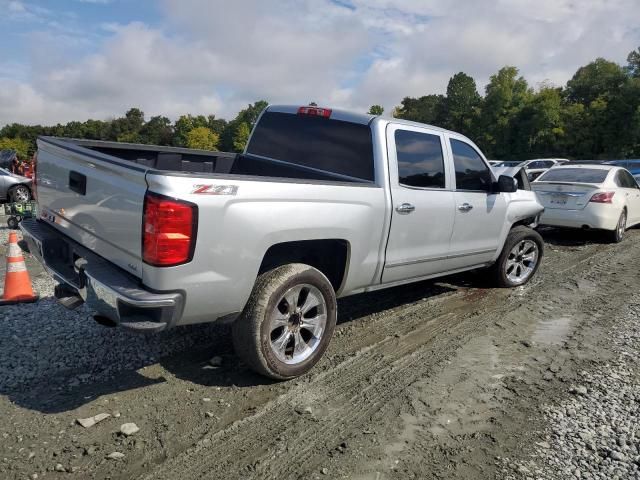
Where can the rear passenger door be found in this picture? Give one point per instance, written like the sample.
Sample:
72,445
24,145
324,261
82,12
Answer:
479,213
632,192
423,204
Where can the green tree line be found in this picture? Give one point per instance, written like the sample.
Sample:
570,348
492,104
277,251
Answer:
191,131
595,115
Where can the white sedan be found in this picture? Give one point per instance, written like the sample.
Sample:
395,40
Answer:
589,196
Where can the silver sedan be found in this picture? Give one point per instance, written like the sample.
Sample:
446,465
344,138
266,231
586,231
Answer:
14,188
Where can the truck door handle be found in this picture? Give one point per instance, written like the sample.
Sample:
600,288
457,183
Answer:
405,208
465,207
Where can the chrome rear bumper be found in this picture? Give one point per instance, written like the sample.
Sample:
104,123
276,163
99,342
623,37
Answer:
106,289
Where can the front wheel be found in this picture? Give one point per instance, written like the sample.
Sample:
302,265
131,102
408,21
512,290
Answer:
287,323
520,257
20,194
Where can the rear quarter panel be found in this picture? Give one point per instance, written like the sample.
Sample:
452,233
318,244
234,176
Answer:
235,231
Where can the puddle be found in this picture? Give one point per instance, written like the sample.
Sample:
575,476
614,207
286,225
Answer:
552,332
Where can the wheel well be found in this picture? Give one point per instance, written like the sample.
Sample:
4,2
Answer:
524,222
328,256
19,185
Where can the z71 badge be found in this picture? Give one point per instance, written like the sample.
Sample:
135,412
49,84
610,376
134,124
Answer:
215,189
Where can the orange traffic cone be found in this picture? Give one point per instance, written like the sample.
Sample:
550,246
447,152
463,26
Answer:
17,284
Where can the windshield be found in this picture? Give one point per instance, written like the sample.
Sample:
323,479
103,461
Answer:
574,175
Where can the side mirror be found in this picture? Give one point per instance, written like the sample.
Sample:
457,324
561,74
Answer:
507,184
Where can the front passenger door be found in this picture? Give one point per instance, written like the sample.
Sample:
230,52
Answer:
479,214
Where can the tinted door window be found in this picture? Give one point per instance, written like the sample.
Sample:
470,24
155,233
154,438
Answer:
471,171
618,180
420,159
627,180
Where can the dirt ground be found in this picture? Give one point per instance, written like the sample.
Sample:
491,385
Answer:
440,379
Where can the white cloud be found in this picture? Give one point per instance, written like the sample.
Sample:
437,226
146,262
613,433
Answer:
217,56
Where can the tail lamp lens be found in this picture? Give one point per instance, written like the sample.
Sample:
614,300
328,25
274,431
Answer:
169,231
603,197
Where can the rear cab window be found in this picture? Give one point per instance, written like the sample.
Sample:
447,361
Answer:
335,146
577,175
472,173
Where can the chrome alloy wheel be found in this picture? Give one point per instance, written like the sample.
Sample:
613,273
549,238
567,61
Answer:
21,194
522,261
297,324
622,225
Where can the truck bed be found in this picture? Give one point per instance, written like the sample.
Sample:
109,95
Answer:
200,162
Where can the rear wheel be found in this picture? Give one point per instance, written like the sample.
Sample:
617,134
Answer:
287,323
520,257
616,235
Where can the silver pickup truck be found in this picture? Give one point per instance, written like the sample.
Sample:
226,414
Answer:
322,204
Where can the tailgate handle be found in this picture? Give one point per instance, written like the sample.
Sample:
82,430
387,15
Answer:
78,182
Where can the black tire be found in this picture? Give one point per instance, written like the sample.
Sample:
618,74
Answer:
252,331
20,190
516,236
616,235
12,223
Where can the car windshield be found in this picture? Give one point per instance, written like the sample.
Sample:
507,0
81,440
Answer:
577,175
507,164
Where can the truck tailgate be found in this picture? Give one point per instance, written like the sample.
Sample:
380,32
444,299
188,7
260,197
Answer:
95,199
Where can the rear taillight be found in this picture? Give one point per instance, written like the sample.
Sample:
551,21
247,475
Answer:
169,230
602,197
315,112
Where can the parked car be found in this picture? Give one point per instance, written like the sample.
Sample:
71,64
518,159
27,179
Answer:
508,164
535,167
14,188
322,204
590,197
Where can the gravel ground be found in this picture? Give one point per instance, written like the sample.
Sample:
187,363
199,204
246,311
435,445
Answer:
595,434
44,337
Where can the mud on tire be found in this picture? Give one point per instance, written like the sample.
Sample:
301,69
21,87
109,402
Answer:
503,270
254,331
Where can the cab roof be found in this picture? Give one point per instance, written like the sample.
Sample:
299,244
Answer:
357,117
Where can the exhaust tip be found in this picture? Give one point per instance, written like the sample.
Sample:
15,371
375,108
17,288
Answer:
105,321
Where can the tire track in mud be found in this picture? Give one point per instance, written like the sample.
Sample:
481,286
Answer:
506,388
344,398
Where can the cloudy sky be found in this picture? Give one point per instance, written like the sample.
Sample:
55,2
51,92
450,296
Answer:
64,60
